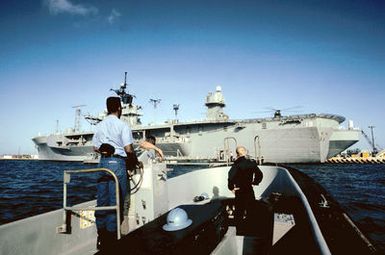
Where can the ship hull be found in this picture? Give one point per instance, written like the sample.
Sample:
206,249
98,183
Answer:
298,145
309,139
70,153
342,139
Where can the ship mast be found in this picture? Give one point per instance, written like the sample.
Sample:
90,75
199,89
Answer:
176,109
155,102
215,103
125,80
121,92
130,111
57,126
78,113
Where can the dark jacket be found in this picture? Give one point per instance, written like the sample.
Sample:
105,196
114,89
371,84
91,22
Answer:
243,174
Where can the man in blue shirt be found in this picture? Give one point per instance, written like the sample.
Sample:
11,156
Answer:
113,140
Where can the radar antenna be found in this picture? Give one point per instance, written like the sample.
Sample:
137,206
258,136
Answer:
176,109
78,113
121,92
155,102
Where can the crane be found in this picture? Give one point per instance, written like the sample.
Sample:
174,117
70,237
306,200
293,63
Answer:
77,116
375,147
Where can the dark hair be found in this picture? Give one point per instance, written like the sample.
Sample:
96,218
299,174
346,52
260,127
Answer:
151,139
113,104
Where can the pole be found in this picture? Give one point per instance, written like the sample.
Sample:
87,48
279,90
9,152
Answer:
373,144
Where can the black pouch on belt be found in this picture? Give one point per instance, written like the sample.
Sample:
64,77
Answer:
107,150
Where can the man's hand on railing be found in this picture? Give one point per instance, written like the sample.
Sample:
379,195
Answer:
130,173
139,164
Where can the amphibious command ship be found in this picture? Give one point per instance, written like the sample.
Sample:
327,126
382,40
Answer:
307,138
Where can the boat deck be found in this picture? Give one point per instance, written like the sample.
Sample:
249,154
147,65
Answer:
214,231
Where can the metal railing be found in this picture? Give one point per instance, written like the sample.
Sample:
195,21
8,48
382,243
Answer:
227,147
67,179
257,152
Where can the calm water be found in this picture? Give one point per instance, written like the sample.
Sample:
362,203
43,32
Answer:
32,187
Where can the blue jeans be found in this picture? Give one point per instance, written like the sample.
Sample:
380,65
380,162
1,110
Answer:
106,219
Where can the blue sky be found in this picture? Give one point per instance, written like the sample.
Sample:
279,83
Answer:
325,56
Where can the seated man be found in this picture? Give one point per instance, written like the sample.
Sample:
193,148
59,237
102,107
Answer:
155,150
131,164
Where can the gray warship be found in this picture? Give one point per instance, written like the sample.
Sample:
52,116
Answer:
305,138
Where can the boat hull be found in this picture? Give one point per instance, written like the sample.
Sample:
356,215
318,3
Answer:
36,235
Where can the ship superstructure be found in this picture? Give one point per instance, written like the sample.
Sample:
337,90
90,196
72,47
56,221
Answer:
306,138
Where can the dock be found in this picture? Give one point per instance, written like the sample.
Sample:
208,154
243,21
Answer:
356,160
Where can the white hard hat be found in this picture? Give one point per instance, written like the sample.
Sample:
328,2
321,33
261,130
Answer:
177,219
205,195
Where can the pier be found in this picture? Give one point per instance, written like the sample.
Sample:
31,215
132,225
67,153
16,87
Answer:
356,160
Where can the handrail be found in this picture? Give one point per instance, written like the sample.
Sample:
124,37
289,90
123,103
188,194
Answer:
227,147
257,156
67,179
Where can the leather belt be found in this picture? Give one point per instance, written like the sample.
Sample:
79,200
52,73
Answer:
114,156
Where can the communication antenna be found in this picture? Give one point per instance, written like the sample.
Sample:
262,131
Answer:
78,113
155,102
176,109
126,97
57,126
125,80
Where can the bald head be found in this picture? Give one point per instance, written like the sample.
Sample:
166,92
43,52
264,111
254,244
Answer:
241,151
